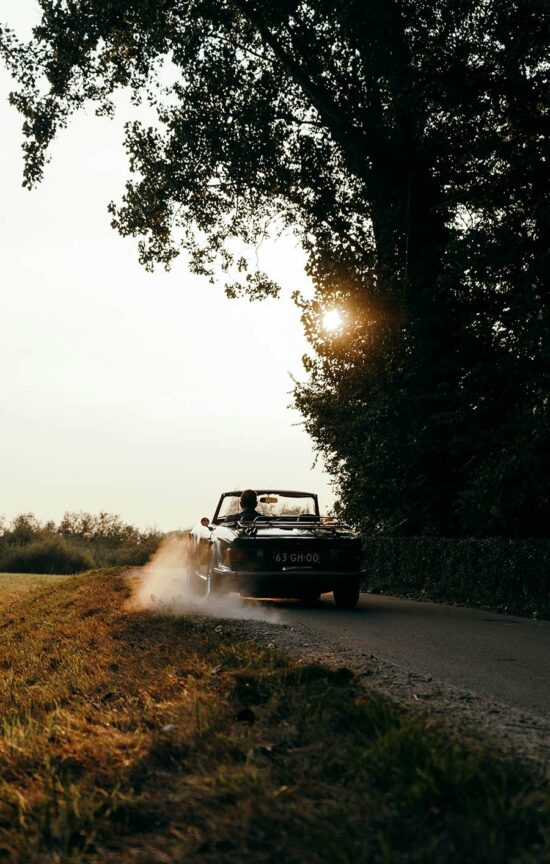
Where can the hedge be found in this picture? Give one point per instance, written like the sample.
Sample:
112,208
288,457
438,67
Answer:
506,575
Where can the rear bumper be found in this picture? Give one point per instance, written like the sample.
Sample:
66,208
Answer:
285,583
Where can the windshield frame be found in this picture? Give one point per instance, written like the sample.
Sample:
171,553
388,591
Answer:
217,520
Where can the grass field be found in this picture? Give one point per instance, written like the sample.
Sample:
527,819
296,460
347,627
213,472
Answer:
12,585
129,737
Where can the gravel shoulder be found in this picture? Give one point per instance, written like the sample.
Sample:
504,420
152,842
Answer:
513,733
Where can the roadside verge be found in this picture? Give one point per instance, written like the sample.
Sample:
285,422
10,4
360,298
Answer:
130,736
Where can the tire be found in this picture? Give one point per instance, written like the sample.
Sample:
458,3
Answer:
347,596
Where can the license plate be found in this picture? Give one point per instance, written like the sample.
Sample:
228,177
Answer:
296,559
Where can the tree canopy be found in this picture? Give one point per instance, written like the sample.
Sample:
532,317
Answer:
404,142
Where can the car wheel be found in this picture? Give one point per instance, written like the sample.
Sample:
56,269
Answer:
347,596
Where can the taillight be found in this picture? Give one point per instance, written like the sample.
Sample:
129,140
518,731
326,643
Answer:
235,557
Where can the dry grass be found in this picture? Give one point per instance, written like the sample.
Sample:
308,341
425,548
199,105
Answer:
128,737
13,585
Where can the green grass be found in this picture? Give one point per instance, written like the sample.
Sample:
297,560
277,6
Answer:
129,737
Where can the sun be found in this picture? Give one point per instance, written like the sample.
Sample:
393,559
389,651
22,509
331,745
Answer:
332,320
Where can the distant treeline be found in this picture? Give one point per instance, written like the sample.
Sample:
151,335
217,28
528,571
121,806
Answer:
79,542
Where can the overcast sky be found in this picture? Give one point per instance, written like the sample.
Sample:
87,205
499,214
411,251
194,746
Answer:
115,391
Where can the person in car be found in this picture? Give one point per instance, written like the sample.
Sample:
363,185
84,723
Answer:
248,502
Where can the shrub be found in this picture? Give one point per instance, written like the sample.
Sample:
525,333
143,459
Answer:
81,540
46,555
136,555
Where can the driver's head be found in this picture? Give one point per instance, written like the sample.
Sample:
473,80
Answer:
249,499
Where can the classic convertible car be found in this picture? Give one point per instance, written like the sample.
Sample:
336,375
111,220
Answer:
288,550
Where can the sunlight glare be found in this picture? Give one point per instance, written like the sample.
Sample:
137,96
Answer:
332,320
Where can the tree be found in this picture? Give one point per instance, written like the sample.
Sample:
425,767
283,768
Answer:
403,142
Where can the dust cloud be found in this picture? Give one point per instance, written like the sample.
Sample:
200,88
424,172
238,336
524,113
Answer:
162,586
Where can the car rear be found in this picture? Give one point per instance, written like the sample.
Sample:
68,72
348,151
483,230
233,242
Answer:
290,563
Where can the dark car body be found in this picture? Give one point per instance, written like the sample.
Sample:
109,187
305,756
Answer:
285,555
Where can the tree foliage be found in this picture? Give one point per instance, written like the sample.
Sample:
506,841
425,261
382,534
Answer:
404,142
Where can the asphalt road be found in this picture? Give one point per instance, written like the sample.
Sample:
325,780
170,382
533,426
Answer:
499,657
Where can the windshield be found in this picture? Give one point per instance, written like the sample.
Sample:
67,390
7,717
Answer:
271,504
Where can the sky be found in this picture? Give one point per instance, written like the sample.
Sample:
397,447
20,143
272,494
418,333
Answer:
118,387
